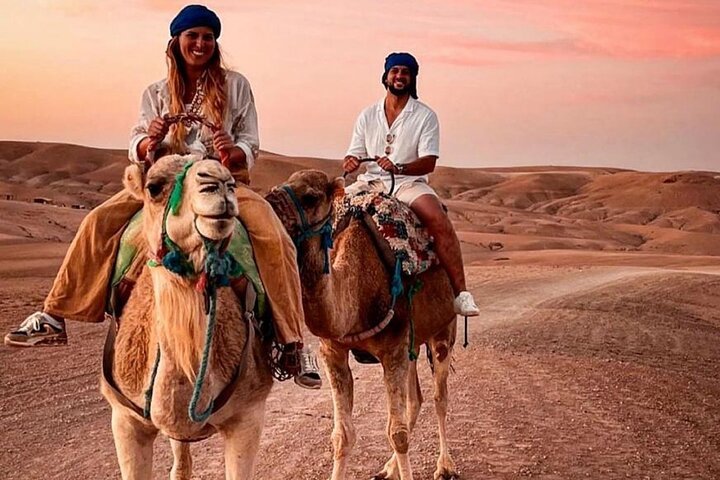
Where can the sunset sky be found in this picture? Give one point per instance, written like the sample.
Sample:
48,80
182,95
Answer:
627,83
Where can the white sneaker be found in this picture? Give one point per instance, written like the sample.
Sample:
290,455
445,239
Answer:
465,305
309,375
38,329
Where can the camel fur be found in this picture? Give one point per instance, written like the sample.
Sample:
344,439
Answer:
165,311
355,297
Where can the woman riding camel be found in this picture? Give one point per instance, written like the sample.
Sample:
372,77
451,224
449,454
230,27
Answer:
197,86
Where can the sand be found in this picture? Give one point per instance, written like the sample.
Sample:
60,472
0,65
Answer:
595,356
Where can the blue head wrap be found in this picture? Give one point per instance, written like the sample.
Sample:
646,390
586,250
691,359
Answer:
195,16
406,60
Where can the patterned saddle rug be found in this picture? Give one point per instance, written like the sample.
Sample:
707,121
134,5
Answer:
132,256
398,232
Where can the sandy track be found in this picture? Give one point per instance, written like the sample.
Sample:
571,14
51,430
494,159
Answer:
598,372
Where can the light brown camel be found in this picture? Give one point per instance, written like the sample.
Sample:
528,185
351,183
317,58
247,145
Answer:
355,297
165,315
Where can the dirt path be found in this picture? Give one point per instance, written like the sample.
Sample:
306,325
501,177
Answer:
601,372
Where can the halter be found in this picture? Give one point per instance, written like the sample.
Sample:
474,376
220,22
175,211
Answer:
219,267
322,228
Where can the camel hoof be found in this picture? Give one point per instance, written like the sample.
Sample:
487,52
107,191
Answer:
446,475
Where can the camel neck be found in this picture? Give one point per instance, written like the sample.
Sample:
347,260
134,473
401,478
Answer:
332,302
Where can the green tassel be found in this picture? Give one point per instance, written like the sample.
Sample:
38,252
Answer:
177,191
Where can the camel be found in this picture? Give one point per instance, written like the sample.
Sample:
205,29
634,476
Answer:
354,297
165,316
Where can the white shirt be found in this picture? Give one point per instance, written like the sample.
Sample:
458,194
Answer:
240,119
416,134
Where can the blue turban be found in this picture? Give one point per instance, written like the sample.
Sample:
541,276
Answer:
195,16
404,59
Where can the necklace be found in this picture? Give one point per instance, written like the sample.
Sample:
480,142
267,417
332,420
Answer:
195,108
198,98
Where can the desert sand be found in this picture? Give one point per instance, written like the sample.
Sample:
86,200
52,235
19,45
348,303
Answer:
596,354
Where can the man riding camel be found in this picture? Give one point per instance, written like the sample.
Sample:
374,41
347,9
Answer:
403,136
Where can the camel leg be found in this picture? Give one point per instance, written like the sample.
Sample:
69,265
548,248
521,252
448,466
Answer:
133,444
441,347
395,371
242,441
390,470
341,382
182,461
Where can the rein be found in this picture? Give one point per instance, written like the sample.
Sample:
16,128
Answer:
392,174
187,119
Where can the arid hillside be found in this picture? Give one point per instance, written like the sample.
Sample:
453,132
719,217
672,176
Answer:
520,208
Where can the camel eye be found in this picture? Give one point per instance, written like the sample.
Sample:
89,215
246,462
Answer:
310,199
155,188
211,188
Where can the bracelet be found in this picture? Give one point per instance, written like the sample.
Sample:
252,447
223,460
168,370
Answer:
401,169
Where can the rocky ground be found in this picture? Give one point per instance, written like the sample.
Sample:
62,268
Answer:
573,371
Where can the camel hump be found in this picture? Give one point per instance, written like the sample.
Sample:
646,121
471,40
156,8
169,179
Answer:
397,231
132,254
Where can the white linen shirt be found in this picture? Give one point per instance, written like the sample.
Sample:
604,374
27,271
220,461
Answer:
240,119
416,134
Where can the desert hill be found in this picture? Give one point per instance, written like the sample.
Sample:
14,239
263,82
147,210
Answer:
515,208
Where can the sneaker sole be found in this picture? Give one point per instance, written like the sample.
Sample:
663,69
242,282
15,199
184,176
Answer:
48,341
306,386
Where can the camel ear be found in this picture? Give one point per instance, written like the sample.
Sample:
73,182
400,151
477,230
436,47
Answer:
336,188
133,180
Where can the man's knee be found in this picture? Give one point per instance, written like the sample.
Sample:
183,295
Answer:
429,209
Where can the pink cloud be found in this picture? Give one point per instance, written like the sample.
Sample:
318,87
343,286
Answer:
626,29
592,28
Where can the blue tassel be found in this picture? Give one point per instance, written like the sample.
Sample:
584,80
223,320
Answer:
176,262
396,287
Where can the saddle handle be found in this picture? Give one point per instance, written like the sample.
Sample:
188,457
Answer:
392,174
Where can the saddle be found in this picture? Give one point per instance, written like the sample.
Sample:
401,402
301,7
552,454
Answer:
132,256
397,231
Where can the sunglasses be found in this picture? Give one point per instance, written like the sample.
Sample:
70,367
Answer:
389,138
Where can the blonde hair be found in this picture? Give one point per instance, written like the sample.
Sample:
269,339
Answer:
212,82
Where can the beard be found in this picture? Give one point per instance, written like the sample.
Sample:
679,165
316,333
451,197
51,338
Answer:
399,92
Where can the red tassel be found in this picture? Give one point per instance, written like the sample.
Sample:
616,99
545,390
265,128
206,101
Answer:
201,283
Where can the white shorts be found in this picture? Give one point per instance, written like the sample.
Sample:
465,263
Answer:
406,192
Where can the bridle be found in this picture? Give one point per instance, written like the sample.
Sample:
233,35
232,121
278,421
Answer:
322,228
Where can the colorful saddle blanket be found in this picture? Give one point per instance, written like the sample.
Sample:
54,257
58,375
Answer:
132,256
388,219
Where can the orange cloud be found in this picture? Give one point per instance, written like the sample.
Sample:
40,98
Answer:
621,29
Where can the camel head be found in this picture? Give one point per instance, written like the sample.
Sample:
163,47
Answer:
187,202
307,195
